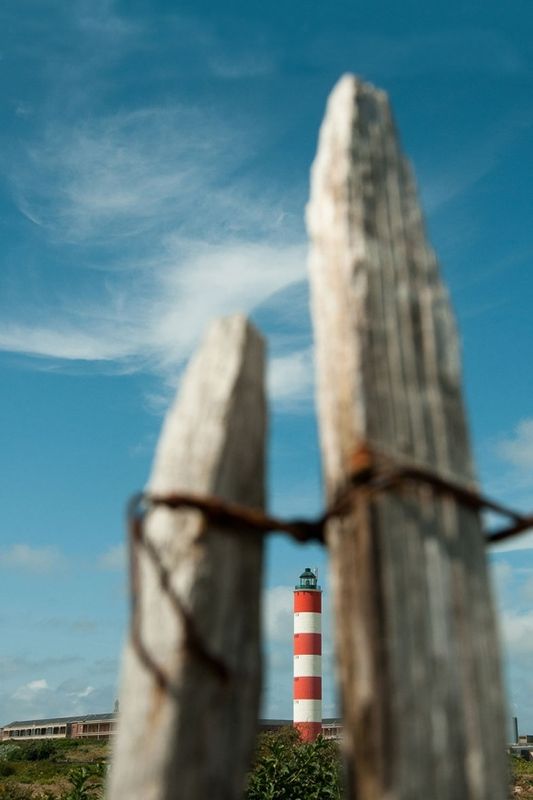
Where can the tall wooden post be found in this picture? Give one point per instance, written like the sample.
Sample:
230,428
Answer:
191,735
419,658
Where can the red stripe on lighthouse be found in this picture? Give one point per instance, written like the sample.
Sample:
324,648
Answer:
307,644
308,730
308,688
307,601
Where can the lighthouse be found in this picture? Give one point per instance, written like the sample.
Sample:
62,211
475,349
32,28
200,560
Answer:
307,694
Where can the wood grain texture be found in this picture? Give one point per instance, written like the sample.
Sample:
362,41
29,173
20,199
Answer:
418,652
194,741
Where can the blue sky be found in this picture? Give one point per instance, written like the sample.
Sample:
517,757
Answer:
155,160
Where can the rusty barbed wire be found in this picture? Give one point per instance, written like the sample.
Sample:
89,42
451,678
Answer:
382,472
377,472
372,471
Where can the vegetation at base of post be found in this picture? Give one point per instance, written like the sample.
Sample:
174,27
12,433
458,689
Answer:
521,778
285,767
64,769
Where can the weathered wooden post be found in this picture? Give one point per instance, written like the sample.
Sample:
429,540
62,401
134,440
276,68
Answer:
188,722
419,658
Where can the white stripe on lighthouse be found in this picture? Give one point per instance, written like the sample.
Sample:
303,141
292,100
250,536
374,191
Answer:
307,666
307,622
307,710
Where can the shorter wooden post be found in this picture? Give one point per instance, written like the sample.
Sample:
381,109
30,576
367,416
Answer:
191,737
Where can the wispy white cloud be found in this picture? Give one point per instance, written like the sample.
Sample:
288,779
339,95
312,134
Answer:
114,558
155,328
170,238
81,625
277,614
39,699
101,20
214,281
148,200
512,583
121,175
517,631
105,666
33,688
23,110
502,577
527,589
248,57
246,65
291,378
447,181
511,475
64,342
517,449
26,558
28,691
154,210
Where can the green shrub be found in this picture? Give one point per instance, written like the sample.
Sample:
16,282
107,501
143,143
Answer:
68,744
10,752
86,783
6,769
288,769
38,751
521,766
28,751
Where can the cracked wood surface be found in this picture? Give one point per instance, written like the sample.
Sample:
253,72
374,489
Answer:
419,656
195,740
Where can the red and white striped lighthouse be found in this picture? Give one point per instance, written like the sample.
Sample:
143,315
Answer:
307,711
